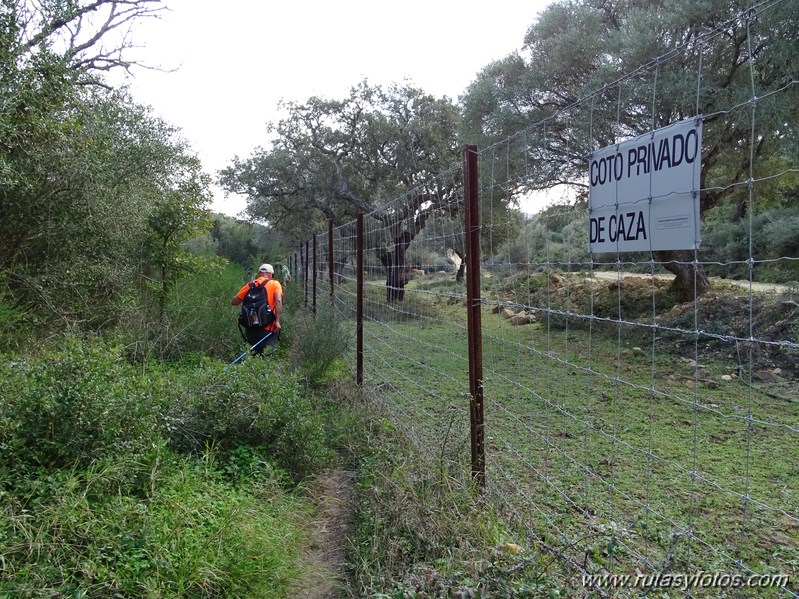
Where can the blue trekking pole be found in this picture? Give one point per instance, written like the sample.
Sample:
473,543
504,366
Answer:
248,351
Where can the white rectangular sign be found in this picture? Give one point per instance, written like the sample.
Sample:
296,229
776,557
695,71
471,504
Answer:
644,192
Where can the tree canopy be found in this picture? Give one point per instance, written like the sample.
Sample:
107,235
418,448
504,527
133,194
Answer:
631,66
594,72
96,193
333,159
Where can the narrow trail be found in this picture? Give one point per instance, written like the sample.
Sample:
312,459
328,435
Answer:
324,561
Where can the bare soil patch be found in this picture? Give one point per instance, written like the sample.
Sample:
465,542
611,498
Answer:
757,328
715,281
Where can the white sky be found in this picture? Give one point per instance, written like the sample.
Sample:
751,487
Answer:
237,59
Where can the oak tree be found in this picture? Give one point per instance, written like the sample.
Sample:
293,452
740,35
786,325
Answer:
334,159
595,72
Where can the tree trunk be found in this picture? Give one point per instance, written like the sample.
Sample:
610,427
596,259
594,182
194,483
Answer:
461,271
395,282
461,267
740,210
394,263
395,274
680,263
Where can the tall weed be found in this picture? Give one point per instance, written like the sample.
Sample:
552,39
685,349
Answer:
199,310
198,319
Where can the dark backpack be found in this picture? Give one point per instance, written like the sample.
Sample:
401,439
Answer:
255,310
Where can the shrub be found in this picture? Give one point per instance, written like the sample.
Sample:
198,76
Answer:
254,403
317,344
75,405
774,236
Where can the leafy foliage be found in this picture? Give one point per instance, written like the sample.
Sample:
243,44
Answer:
334,158
96,194
153,480
74,406
577,48
198,317
774,235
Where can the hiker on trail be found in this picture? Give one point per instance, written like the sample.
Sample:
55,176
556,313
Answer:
262,303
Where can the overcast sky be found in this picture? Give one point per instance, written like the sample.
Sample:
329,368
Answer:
237,59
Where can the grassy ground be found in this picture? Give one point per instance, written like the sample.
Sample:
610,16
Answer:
608,449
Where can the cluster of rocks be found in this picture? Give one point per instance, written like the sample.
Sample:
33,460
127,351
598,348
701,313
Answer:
516,318
702,376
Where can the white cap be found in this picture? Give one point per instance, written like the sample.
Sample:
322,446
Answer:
266,268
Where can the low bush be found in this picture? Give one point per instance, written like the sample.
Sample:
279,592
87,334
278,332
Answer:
255,403
75,405
317,344
153,479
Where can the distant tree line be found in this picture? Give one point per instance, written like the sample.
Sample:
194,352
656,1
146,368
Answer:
245,243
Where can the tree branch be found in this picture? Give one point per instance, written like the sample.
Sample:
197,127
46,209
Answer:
120,13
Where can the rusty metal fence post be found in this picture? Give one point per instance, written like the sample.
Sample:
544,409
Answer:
474,307
330,260
305,277
314,269
359,299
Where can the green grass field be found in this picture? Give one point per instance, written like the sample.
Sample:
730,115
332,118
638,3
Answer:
613,450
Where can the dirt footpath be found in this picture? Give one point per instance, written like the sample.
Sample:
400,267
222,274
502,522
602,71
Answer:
324,561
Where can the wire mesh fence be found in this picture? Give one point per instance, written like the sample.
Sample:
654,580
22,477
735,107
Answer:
641,408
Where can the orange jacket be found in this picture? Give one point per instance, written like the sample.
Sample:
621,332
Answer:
273,287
